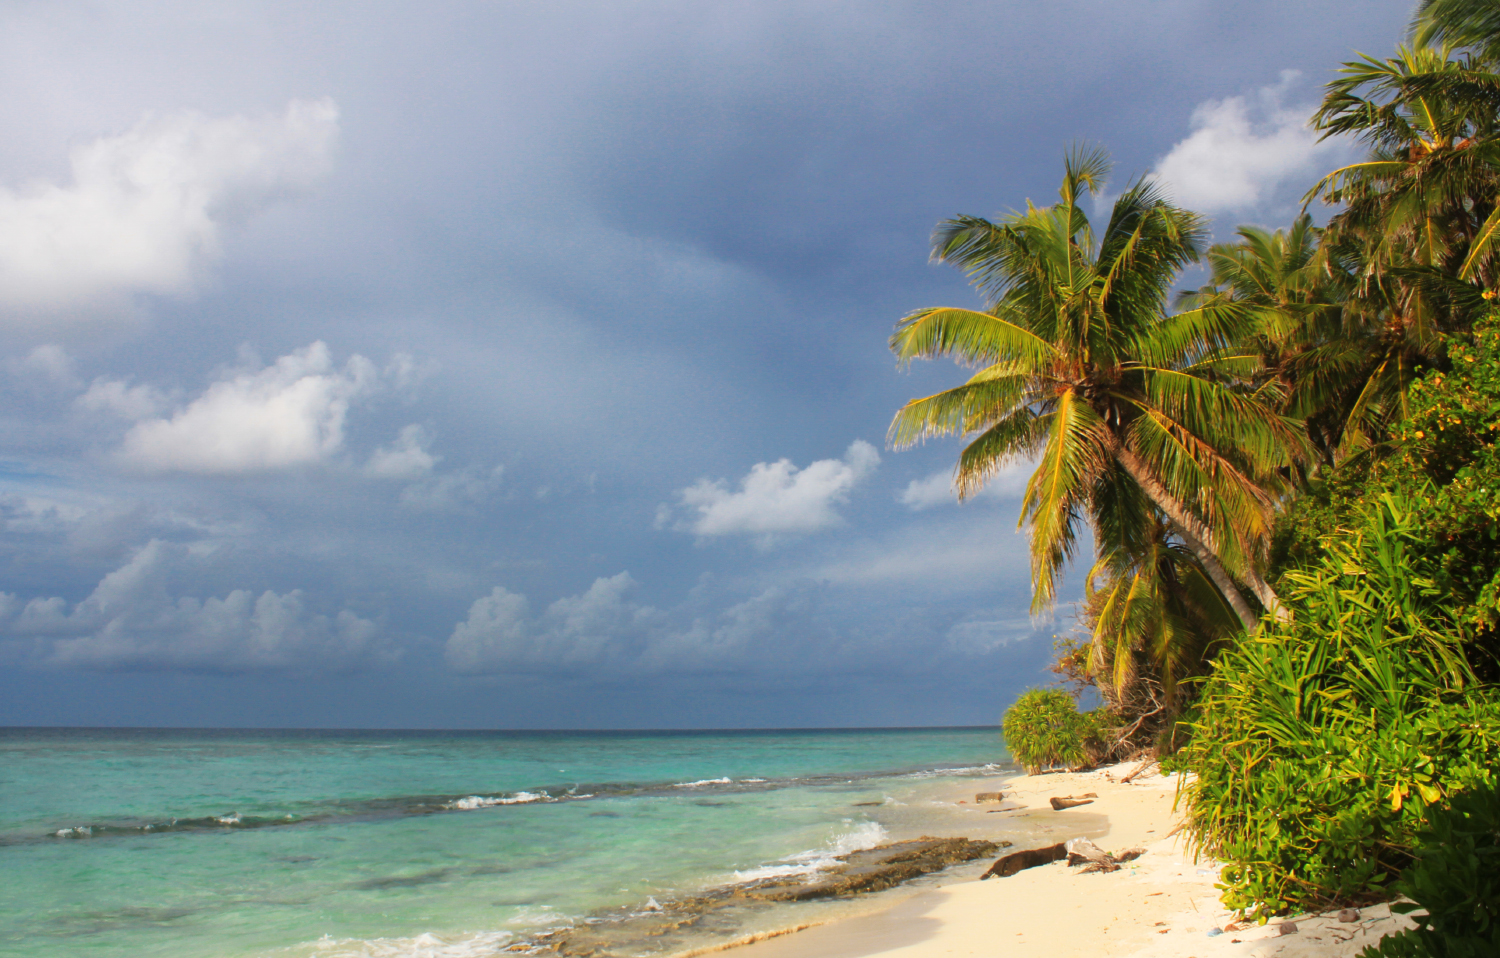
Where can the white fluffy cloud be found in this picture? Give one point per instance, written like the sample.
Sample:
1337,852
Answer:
775,498
937,489
287,414
1243,149
131,622
145,208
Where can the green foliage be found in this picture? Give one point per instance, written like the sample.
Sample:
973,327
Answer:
1319,743
1446,466
1449,442
1044,729
1456,880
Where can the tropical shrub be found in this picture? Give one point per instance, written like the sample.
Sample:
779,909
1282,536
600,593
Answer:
1445,463
1319,743
1454,882
1044,729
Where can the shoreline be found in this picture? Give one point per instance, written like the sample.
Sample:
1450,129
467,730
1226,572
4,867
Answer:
1162,905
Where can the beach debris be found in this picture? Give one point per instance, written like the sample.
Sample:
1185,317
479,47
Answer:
1058,804
1008,865
1286,928
1349,916
1139,769
1215,932
1081,851
986,797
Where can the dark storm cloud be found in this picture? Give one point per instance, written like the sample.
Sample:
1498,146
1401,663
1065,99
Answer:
589,257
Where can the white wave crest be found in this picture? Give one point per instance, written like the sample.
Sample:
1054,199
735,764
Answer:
809,863
489,801
425,945
704,781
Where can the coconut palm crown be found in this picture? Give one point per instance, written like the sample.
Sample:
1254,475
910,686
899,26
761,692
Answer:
1083,370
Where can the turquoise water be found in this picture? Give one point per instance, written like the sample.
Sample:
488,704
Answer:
302,843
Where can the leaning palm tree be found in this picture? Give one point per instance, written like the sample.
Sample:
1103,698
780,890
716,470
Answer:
1084,370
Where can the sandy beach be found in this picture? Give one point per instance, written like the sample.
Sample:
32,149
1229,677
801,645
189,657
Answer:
1162,905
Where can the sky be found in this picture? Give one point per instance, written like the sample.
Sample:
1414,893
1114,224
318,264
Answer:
520,365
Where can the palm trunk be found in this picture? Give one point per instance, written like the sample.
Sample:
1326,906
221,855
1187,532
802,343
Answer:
1199,539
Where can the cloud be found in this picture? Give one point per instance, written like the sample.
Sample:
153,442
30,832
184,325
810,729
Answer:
117,397
983,632
145,208
775,498
48,362
501,634
131,623
937,489
288,414
603,627
407,459
454,491
941,554
1243,149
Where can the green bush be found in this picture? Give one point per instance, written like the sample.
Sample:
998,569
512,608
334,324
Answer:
1455,880
1044,730
1318,744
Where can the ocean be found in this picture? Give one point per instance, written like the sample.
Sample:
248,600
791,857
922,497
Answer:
337,844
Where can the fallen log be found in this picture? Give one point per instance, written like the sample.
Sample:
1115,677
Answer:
1058,804
1008,865
984,797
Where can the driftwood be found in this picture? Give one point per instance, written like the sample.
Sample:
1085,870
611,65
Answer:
1148,763
984,797
1081,851
1017,861
1058,804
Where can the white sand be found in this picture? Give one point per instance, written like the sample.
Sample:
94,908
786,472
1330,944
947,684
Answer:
1162,905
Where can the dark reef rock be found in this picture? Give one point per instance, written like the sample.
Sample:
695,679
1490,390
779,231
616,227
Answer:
875,869
673,925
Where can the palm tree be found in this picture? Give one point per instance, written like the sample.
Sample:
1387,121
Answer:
1416,242
1153,618
1462,23
1425,196
1083,369
1323,358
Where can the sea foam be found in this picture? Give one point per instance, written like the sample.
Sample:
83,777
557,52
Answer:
471,802
809,863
